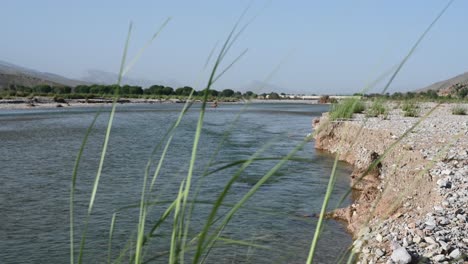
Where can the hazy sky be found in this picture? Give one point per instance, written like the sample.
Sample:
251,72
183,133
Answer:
321,46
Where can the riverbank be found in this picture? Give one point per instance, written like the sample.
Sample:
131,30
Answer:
413,205
49,102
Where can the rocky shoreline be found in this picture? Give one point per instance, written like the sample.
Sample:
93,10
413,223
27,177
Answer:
49,102
412,207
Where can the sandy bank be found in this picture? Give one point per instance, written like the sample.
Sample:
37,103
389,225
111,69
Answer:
415,200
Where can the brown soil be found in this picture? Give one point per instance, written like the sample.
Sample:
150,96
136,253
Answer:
399,177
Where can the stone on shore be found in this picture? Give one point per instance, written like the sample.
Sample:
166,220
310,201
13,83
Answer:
401,256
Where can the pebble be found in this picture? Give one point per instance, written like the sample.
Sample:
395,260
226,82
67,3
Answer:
401,256
379,253
430,240
455,254
379,237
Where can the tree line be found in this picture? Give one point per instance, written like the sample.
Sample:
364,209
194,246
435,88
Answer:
123,90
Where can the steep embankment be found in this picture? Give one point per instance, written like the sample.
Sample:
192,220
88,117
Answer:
415,200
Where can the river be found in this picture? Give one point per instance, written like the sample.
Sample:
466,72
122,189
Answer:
38,148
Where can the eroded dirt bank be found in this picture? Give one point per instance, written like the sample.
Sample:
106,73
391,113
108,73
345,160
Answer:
412,206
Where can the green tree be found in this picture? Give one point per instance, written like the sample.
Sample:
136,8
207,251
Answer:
274,96
462,92
42,88
248,94
168,90
227,93
125,89
155,89
95,89
184,91
135,90
432,94
62,89
210,93
82,89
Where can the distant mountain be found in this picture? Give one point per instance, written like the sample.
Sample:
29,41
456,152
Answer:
103,77
14,74
447,86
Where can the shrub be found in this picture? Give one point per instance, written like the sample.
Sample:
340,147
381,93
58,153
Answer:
377,109
325,99
411,113
459,110
58,99
410,109
346,108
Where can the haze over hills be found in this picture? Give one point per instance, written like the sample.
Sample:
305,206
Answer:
103,77
445,87
14,74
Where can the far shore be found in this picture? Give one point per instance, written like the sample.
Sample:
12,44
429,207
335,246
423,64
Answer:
47,102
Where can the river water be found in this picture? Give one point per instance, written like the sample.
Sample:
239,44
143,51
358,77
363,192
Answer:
38,148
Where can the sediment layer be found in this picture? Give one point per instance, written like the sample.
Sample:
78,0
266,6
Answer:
412,205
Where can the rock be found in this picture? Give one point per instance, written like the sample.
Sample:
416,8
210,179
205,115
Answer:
430,240
430,227
443,245
455,254
442,183
379,253
401,256
446,172
405,242
430,222
379,237
439,258
429,254
444,221
416,239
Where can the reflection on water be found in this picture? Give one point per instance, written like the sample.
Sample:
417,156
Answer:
39,147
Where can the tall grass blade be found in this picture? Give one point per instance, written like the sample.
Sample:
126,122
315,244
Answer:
73,186
142,50
111,233
225,48
251,192
109,127
218,203
176,225
318,229
104,148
